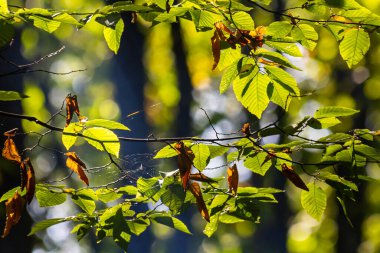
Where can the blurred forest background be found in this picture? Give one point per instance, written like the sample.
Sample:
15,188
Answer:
164,74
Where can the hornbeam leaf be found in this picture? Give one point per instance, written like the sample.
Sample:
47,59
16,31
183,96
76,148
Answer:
113,35
354,46
10,151
201,156
306,35
45,224
196,191
13,208
333,111
314,201
233,179
109,124
251,91
4,94
98,135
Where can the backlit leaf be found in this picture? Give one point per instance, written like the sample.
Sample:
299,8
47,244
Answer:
258,163
314,201
113,35
275,57
306,35
10,151
229,74
45,23
251,91
75,164
107,137
166,152
283,78
196,191
354,46
45,224
201,156
333,111
13,208
47,197
243,21
68,136
212,226
170,222
9,95
121,233
4,6
285,47
279,29
85,199
109,124
233,179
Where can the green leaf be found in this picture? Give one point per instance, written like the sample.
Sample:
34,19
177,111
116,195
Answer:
109,139
69,140
170,222
9,194
283,78
354,46
333,111
138,226
275,57
204,20
228,55
314,201
285,47
45,23
166,152
45,197
251,91
243,21
201,156
81,230
109,124
229,74
333,177
107,195
113,35
10,95
46,223
174,195
148,187
323,122
211,226
258,164
121,233
306,35
279,95
66,19
338,137
6,36
85,199
279,29
368,151
229,219
217,150
4,6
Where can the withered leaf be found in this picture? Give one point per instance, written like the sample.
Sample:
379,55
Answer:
233,179
24,176
215,44
30,182
13,208
246,129
201,178
71,108
75,164
185,161
196,191
10,151
220,27
167,6
11,133
290,174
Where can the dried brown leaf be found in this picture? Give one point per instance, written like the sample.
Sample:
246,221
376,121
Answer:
13,208
75,164
71,108
30,182
185,161
290,174
24,175
215,44
201,178
233,179
196,191
11,133
246,129
10,151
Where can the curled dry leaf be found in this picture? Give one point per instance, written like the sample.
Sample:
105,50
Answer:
10,151
233,179
246,129
11,133
30,180
24,175
196,191
13,208
75,164
185,161
215,44
201,178
290,174
71,108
